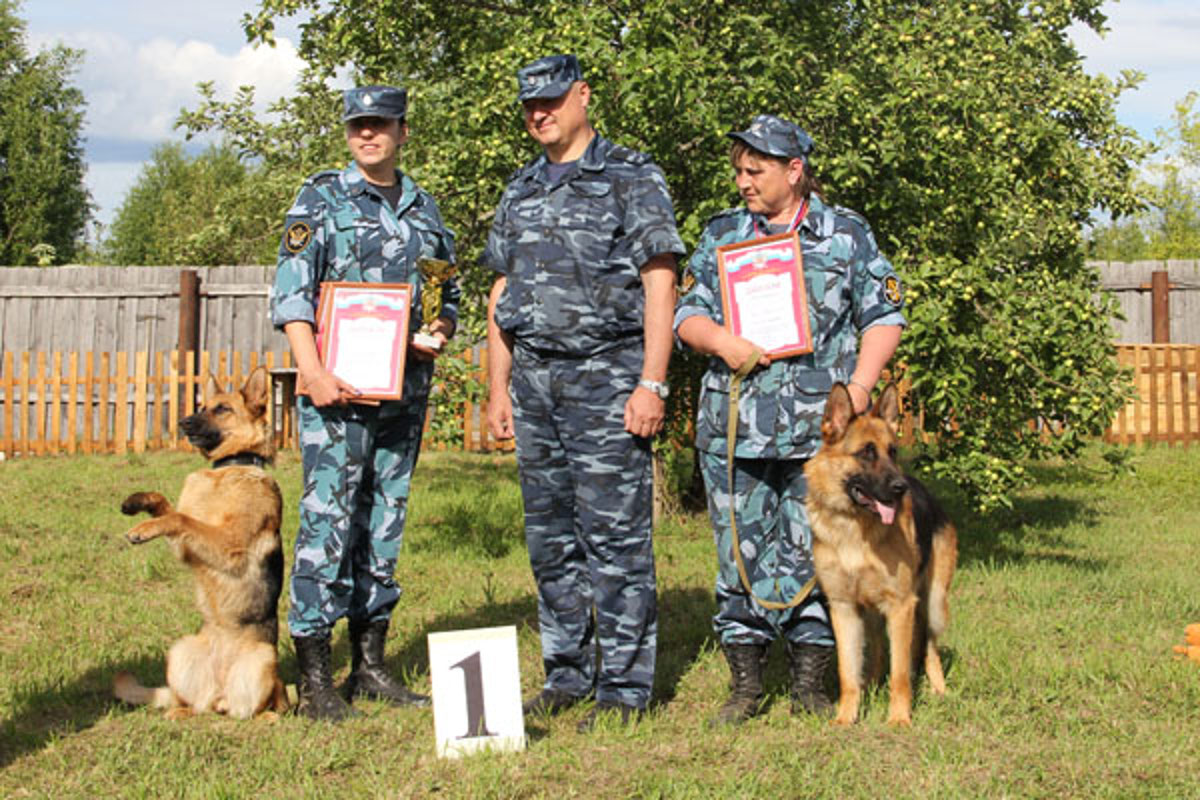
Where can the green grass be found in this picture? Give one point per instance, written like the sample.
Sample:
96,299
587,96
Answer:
1062,681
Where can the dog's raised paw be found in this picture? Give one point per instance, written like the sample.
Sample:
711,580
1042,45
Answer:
141,533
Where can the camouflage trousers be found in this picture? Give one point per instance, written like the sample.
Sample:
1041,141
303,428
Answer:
776,547
358,461
588,490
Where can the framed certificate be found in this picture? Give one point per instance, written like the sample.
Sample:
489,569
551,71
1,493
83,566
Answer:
763,295
362,335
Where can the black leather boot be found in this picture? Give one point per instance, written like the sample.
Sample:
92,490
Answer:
368,678
318,699
808,664
746,662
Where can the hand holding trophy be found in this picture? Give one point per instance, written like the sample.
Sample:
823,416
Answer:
434,272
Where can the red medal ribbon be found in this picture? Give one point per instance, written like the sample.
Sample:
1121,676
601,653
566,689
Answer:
800,212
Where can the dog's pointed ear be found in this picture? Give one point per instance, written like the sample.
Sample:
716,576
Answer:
887,407
211,389
256,392
839,411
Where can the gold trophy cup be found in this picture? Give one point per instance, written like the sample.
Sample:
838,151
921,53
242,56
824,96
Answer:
434,272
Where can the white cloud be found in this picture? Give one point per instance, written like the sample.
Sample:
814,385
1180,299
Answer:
1156,37
135,91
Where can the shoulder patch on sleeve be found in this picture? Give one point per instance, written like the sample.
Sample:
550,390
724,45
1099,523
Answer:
892,290
689,280
297,236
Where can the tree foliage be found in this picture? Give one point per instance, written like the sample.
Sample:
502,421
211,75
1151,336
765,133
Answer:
1169,224
44,205
967,133
192,210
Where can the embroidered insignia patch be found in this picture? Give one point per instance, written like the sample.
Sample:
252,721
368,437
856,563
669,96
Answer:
689,280
892,291
297,237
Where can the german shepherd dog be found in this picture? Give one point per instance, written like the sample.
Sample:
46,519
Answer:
881,545
226,528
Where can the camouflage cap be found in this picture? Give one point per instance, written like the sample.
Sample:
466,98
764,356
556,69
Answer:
775,137
550,76
374,101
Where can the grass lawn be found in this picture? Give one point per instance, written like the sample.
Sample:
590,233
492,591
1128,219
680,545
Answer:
1061,678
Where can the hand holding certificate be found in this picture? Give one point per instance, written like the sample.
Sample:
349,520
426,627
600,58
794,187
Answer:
763,294
362,335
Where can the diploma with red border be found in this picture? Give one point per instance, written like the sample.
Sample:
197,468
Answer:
763,295
362,335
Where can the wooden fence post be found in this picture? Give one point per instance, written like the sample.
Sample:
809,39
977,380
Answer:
1160,307
189,312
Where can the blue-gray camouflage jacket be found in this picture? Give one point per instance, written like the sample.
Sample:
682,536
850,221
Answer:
572,249
340,228
851,287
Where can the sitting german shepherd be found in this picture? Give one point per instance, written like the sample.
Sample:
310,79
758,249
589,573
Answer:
882,544
226,528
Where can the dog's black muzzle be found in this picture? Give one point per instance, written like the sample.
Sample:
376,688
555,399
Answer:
879,493
201,432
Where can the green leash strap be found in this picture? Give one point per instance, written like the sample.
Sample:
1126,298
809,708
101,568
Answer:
735,390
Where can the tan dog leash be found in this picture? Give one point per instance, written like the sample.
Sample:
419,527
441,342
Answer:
735,390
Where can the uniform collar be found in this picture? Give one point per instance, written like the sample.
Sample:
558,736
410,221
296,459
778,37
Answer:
592,160
356,184
816,221
597,151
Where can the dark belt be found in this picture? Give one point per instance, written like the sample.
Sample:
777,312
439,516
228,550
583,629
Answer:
551,354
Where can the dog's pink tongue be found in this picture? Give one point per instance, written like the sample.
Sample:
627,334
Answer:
886,513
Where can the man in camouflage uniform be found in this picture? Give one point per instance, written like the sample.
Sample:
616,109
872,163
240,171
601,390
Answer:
584,247
853,292
366,223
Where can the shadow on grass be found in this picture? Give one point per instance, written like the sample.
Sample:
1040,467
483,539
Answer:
683,631
44,714
1033,530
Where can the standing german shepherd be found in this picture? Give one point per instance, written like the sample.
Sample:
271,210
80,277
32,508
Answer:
226,528
882,544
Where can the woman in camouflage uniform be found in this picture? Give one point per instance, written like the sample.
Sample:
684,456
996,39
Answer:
853,293
366,223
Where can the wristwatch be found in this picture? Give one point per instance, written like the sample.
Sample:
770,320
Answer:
658,387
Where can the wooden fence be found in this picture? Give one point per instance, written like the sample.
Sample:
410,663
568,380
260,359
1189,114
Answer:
1132,286
131,309
111,403
1166,407
134,309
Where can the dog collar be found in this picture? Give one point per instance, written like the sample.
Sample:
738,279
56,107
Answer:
242,459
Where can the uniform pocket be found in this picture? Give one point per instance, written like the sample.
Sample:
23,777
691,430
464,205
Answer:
808,406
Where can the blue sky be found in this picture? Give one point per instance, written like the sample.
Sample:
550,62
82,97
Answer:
142,62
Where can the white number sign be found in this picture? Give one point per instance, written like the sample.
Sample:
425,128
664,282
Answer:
476,690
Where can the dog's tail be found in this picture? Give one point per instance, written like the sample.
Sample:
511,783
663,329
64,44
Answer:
152,502
945,556
128,690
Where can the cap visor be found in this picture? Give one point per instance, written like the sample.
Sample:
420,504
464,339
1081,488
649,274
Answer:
361,114
757,144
